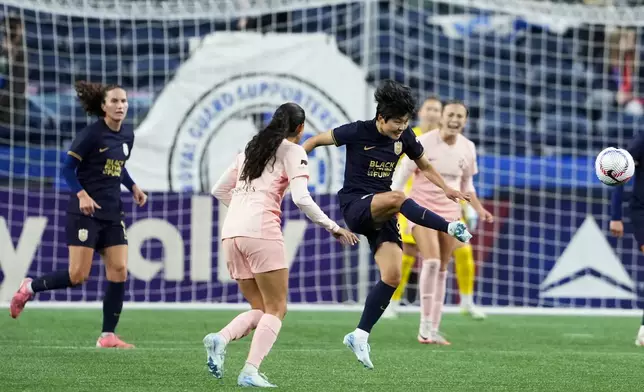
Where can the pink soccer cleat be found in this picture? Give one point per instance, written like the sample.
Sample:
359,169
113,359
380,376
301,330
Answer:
112,341
20,298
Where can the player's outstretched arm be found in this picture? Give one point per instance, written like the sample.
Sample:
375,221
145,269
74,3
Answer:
223,188
322,139
432,175
304,201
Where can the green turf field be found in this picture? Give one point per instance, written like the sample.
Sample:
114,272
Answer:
52,350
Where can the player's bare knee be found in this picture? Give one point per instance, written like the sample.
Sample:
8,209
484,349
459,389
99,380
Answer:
78,276
396,199
391,278
276,308
116,272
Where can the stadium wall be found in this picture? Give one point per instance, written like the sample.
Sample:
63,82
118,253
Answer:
175,258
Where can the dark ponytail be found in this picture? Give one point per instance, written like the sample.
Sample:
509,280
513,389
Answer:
92,95
261,150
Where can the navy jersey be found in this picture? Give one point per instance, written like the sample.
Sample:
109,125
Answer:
371,157
103,153
636,149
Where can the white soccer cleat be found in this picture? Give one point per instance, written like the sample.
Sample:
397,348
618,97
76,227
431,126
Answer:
360,348
254,379
392,311
215,346
459,231
439,339
474,312
639,341
425,332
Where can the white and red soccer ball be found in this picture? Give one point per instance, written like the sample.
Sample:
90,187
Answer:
614,166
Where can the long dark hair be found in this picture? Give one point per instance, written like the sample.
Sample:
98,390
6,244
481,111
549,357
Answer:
261,150
92,96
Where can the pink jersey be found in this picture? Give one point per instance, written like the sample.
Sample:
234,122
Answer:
255,209
456,163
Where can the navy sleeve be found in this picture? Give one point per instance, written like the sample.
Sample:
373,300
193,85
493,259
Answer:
345,134
636,148
69,173
616,203
411,145
83,144
126,179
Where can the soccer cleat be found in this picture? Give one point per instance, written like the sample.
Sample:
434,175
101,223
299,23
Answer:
20,298
425,332
111,340
253,379
391,312
459,231
474,312
360,349
640,341
215,346
439,339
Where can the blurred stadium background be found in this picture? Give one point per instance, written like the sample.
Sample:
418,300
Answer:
548,84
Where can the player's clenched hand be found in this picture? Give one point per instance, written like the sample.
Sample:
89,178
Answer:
616,228
345,236
486,215
86,204
140,198
455,195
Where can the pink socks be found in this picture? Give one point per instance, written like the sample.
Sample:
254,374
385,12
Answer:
432,292
265,336
241,325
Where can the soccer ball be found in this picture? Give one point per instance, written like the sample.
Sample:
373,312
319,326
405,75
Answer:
614,166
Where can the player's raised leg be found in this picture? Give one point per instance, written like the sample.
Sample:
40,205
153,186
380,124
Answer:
429,247
385,205
115,259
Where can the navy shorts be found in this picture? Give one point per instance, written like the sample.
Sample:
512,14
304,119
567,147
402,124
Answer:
637,220
94,233
357,216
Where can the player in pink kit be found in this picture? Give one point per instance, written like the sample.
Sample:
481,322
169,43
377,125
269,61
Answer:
252,188
454,157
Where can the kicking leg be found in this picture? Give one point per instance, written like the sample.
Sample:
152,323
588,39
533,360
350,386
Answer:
385,205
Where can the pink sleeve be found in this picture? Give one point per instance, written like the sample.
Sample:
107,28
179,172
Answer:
404,170
296,162
467,182
226,183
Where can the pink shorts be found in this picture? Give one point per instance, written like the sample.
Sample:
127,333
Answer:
249,256
449,213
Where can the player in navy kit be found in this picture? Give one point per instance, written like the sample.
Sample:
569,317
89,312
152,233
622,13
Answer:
368,204
94,169
636,149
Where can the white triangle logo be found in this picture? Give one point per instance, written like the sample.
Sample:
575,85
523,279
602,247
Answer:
588,249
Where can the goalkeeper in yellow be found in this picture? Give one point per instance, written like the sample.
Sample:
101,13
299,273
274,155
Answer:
428,119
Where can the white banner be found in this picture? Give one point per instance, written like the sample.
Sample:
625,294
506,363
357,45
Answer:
209,111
